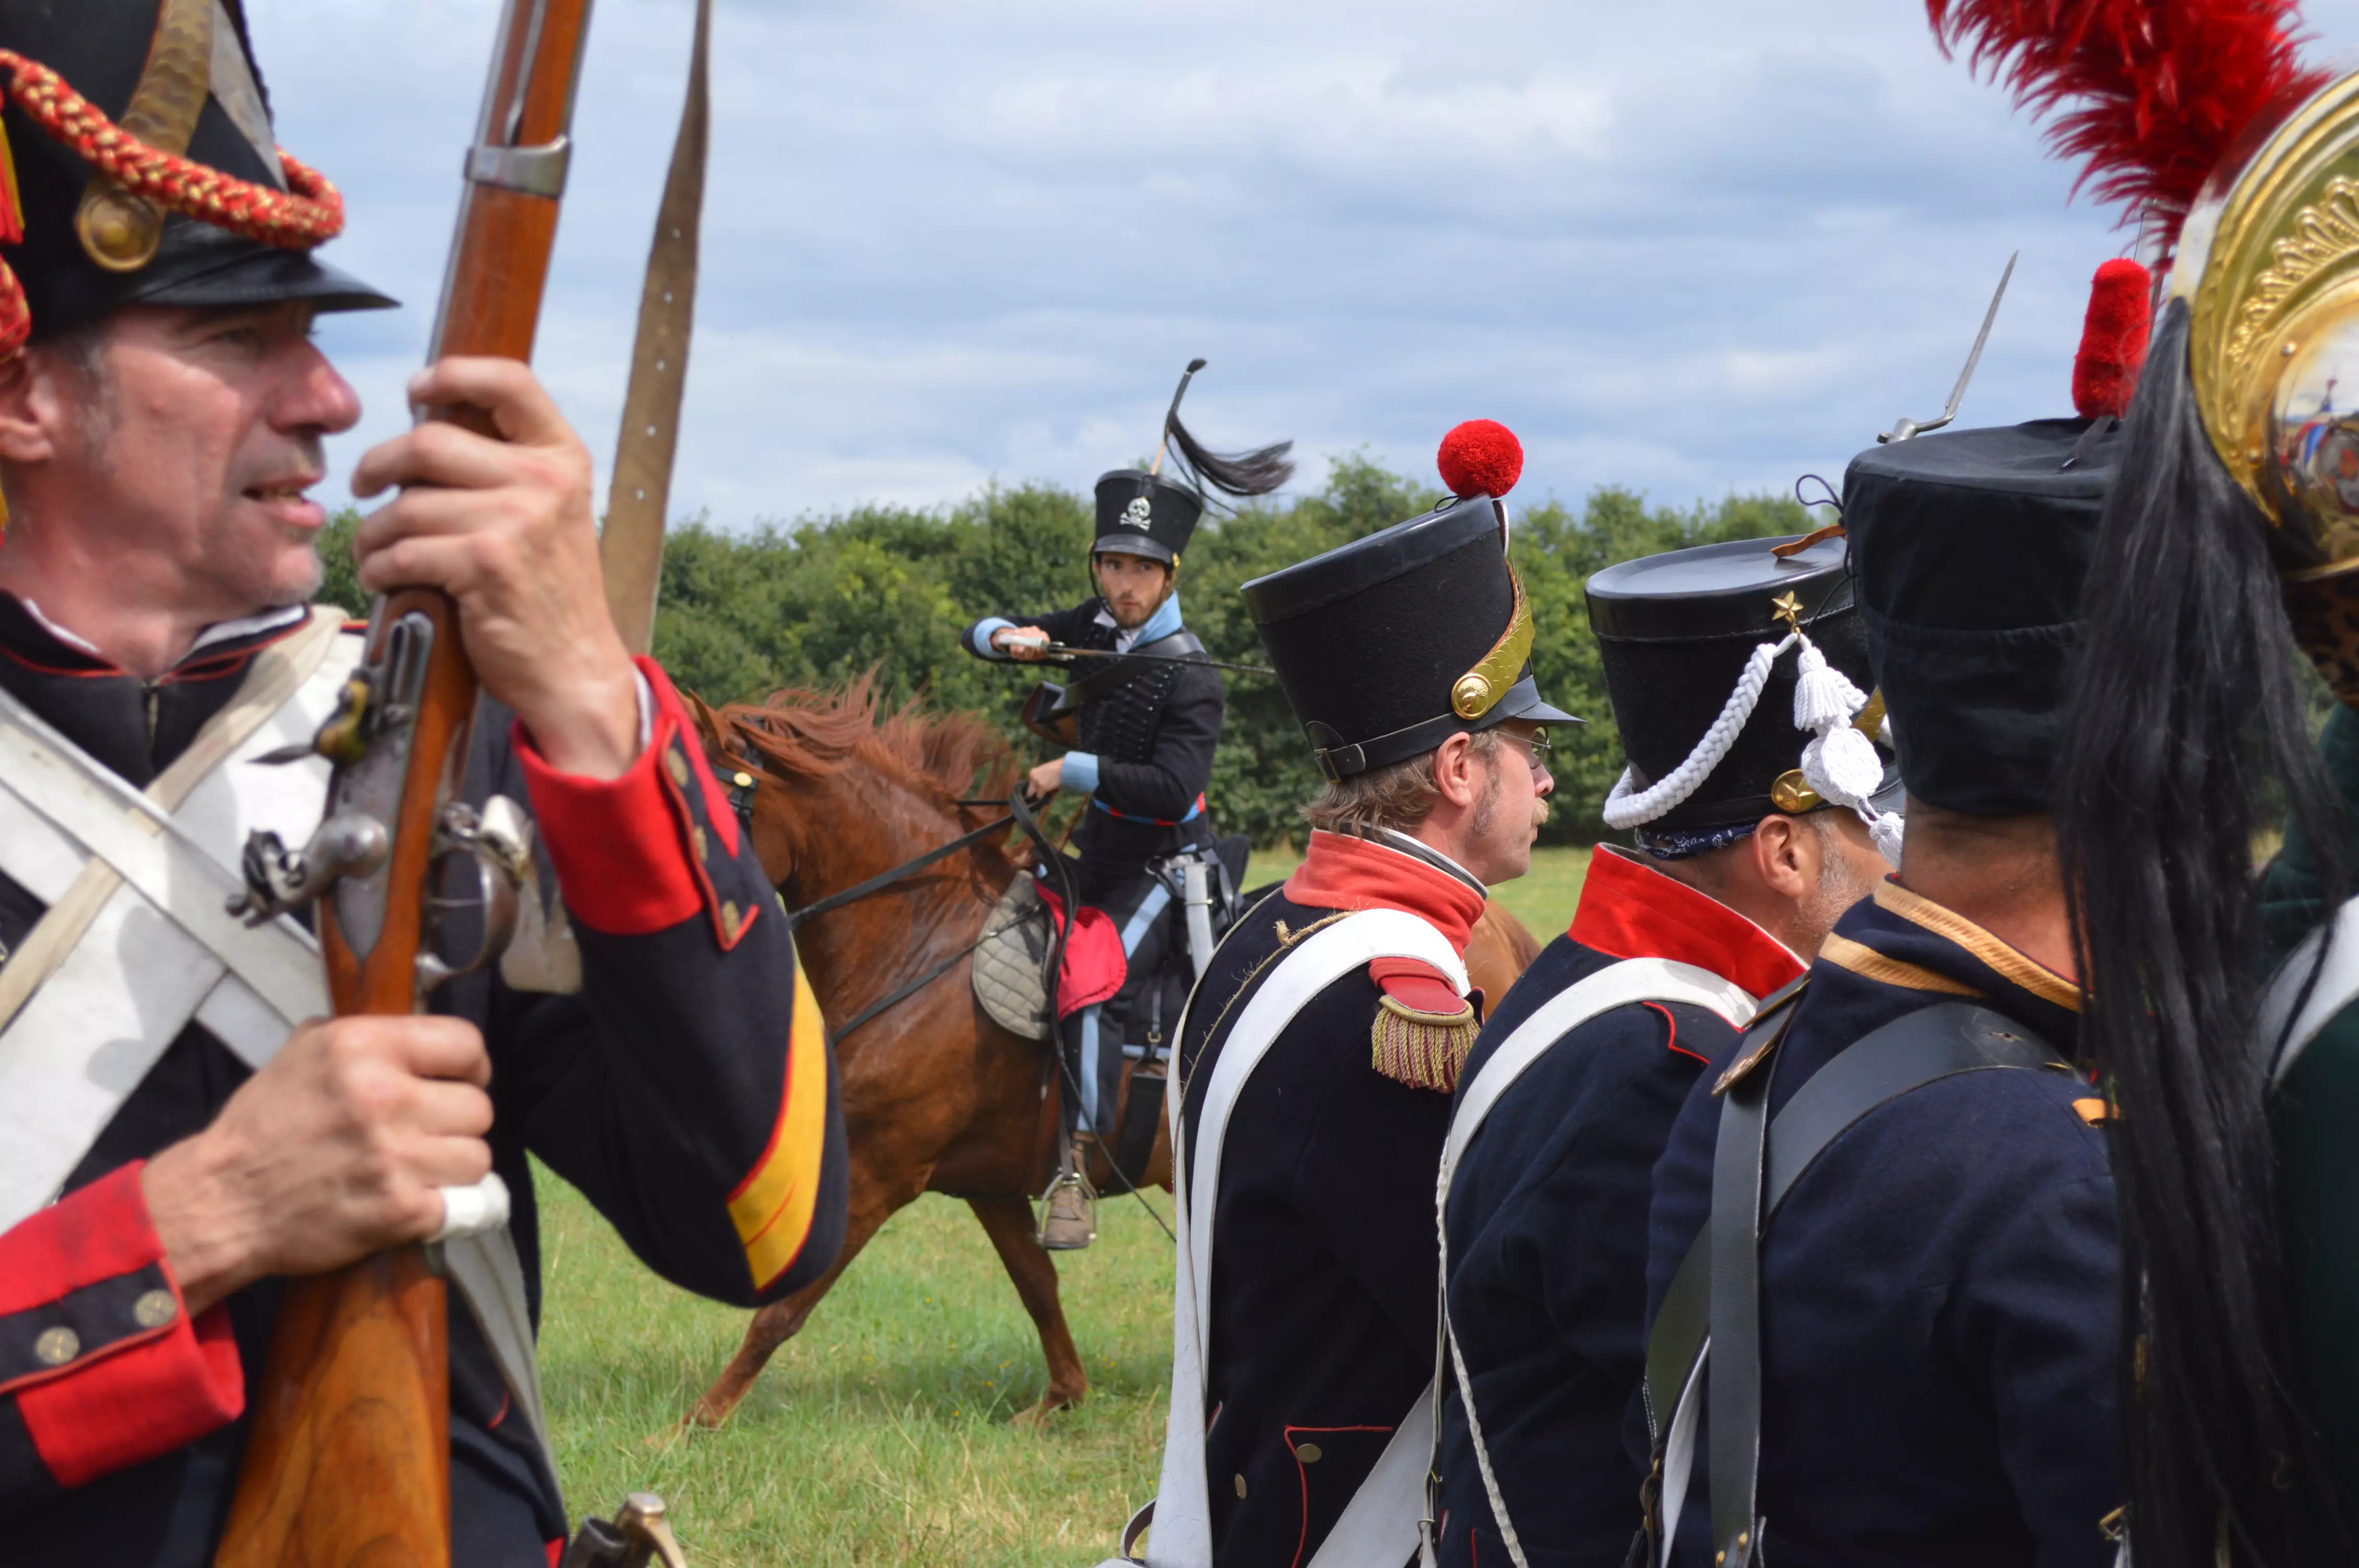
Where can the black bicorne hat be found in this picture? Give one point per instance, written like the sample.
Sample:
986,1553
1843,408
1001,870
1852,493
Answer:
88,246
1972,547
1390,644
1140,514
1674,632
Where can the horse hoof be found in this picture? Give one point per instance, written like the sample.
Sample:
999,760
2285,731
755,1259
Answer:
705,1417
1038,1418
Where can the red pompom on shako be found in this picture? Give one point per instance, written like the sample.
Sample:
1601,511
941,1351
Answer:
1480,457
2113,341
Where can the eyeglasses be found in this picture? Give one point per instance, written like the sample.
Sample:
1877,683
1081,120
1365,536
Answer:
1536,746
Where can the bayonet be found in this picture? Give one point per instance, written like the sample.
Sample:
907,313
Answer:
1908,429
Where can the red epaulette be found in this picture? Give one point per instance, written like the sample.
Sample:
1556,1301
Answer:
1423,1027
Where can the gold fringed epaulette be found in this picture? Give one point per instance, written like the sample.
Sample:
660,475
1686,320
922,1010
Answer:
1423,1050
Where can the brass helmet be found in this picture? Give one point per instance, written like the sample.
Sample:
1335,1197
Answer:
2269,265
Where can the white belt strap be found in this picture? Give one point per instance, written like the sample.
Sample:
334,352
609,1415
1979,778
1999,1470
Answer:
1379,1526
1616,985
2337,987
137,941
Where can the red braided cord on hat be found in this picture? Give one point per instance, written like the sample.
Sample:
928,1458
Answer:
309,213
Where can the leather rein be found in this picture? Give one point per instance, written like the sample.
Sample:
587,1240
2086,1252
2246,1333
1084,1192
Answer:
1020,814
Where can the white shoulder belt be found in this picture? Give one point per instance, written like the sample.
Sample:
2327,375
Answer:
1616,985
1380,1525
137,942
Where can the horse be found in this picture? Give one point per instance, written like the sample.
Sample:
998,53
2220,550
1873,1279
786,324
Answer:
937,1096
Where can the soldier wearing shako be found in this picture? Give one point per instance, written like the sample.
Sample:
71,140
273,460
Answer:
2225,1024
1142,731
1882,1272
1754,829
1319,1049
183,1129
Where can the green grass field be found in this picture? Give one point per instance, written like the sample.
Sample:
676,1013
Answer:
882,1434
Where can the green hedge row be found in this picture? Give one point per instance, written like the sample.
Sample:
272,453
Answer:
817,602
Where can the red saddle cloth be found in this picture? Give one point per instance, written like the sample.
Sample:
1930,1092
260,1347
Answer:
1093,967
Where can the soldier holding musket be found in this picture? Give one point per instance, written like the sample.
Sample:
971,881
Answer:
182,1136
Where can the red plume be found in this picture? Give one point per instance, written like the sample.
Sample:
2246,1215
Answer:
2113,340
1480,457
2158,89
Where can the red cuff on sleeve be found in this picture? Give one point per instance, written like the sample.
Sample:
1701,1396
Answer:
630,851
134,1397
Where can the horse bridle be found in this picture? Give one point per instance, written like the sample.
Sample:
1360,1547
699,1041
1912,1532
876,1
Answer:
1020,814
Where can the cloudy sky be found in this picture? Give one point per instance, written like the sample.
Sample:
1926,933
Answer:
1687,245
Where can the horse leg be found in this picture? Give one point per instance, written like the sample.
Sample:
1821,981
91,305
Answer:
780,1321
1008,1222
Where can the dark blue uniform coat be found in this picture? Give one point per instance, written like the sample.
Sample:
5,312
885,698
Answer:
1939,1293
1548,1224
662,1092
1322,1322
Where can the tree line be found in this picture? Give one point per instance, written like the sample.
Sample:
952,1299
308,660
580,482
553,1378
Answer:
816,603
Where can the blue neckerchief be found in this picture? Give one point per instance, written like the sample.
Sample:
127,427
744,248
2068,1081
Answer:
1161,624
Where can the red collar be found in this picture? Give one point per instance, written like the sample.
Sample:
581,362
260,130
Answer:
1629,909
1345,872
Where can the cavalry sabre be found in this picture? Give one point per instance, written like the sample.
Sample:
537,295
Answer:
350,1457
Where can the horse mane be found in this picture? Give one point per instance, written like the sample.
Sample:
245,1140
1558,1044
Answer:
946,757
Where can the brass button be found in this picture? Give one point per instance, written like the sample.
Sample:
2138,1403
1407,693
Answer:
155,1309
57,1346
1309,1453
696,842
677,766
730,919
1241,1485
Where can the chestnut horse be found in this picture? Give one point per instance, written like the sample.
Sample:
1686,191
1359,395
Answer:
936,1096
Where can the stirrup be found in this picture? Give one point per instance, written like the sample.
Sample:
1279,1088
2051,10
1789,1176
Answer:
1069,1218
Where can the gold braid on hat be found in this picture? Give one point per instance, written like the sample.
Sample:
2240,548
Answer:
310,212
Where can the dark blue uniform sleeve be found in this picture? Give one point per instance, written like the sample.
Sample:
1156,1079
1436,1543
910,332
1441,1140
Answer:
1062,626
671,1091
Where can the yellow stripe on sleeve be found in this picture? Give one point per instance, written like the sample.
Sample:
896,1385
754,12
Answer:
772,1207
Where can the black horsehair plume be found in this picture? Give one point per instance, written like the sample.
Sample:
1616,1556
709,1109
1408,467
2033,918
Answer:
1237,474
2185,736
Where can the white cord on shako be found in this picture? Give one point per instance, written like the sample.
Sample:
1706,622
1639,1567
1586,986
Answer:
1838,762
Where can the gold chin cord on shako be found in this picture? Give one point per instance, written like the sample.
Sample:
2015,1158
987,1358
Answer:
2268,263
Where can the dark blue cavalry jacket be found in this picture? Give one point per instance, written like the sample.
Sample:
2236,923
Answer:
1939,1293
1547,1225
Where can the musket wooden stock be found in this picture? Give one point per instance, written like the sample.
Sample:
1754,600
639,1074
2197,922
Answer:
349,1462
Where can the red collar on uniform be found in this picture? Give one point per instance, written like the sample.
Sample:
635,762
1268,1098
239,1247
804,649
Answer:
1629,909
1345,872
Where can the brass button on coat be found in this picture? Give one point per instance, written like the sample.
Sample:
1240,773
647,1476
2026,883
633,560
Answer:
1309,1453
155,1309
57,1346
1241,1486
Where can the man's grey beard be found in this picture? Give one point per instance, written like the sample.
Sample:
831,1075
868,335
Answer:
1840,884
293,595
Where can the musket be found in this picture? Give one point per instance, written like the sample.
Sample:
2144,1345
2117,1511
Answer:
349,1461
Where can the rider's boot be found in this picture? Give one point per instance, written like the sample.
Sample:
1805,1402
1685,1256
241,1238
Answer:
1071,1220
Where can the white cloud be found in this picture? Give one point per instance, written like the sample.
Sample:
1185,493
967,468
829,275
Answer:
1689,245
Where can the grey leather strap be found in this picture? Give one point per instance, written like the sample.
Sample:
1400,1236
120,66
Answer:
1733,1419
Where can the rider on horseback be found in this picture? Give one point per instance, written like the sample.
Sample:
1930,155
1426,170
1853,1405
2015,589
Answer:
1141,732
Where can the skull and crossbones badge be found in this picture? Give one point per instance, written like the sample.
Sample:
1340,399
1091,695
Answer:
1139,513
